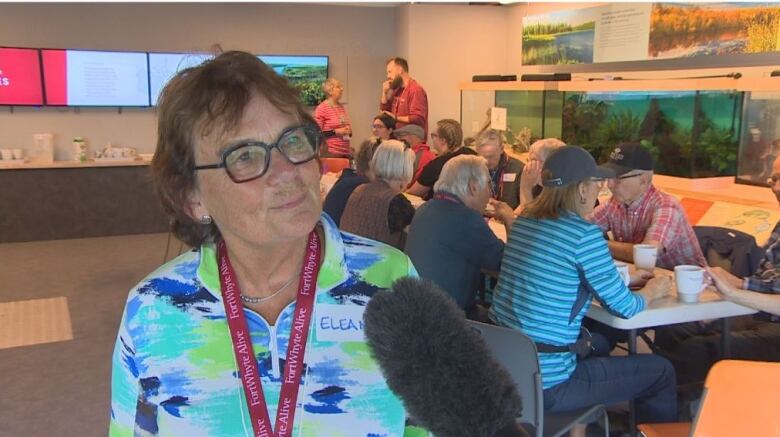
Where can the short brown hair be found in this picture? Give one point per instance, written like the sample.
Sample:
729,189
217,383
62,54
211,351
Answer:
450,131
203,100
401,62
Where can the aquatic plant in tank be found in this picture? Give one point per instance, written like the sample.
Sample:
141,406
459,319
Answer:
690,133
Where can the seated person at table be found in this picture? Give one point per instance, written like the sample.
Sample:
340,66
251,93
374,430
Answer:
504,170
382,127
378,210
531,178
449,241
639,213
337,197
415,136
555,262
447,143
695,347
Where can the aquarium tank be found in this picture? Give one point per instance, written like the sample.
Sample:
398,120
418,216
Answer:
531,115
759,144
691,134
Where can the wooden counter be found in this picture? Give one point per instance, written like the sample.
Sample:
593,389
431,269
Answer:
78,200
6,165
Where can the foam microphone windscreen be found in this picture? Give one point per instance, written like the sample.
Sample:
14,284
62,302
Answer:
440,369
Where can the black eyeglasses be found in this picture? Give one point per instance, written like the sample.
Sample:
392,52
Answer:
248,160
773,180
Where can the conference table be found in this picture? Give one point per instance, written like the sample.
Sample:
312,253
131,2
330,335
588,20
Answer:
669,311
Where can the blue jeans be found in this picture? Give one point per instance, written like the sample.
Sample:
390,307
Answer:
648,379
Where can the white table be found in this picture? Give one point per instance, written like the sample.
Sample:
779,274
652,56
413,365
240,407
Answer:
498,228
668,311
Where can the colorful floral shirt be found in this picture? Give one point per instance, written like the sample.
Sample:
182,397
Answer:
174,370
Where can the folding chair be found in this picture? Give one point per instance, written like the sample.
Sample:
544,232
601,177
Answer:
516,352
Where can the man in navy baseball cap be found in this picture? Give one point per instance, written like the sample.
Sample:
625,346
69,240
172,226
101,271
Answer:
638,213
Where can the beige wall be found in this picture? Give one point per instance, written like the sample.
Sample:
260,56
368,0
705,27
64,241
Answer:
358,40
448,44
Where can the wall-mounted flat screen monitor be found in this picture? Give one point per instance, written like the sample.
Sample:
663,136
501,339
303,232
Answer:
20,77
95,78
305,73
163,66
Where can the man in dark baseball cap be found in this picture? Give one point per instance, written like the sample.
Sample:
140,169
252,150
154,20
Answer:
629,156
639,213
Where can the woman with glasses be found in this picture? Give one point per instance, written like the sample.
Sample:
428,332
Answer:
447,142
555,262
382,127
378,209
333,120
257,328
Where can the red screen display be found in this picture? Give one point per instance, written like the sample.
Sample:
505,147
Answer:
55,78
20,77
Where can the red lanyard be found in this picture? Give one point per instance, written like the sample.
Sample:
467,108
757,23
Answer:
242,342
447,197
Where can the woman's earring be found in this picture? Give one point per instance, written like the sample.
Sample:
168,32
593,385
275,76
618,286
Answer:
205,219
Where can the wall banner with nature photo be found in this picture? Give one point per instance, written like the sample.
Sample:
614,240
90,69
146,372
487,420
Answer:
646,31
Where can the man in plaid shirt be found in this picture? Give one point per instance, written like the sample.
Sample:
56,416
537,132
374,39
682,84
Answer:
639,213
693,348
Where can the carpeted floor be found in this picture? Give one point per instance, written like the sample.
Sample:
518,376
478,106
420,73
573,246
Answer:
63,388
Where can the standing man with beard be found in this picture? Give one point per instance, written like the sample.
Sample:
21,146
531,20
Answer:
402,97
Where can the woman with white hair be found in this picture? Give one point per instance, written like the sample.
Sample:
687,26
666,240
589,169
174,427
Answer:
378,210
531,181
449,241
333,119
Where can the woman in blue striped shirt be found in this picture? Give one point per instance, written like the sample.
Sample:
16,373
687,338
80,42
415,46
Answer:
555,262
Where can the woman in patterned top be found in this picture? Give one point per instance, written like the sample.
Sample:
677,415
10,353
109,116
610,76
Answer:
257,330
332,118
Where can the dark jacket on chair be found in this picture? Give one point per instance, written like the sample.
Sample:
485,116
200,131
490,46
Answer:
736,246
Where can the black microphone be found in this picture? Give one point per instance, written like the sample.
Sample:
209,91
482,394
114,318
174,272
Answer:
440,369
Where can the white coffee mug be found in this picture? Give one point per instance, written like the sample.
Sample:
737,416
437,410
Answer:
6,154
690,282
622,269
645,256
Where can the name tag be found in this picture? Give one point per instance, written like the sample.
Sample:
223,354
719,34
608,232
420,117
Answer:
339,323
510,177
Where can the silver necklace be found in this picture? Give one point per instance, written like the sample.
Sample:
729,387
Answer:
255,300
